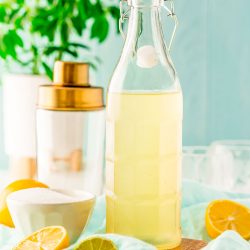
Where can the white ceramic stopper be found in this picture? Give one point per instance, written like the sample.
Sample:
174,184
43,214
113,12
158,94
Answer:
147,57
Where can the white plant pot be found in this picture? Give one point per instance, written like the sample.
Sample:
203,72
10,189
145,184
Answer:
19,105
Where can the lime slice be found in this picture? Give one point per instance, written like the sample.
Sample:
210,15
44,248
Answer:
96,243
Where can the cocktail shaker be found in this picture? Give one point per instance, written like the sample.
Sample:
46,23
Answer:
70,130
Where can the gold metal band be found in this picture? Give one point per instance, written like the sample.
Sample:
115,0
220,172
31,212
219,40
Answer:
70,98
70,90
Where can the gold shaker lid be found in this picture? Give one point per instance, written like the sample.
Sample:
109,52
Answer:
70,90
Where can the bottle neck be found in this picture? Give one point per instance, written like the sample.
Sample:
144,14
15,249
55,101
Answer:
145,29
144,25
145,3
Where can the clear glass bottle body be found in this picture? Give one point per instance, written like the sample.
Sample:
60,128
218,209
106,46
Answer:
144,131
70,149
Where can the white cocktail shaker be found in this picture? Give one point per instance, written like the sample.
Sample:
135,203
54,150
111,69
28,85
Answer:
70,130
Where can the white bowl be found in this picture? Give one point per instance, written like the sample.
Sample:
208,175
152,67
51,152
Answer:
29,216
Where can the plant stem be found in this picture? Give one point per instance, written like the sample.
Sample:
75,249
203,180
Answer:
60,55
35,69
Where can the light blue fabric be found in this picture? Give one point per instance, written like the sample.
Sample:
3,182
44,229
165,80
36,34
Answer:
195,200
228,241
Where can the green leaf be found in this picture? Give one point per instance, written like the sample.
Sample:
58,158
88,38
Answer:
2,13
100,28
37,24
71,52
84,9
92,65
64,32
11,41
79,45
34,50
78,24
98,8
13,13
114,11
19,20
47,12
52,49
51,30
47,70
62,3
10,49
18,40
46,22
25,63
2,51
2,55
98,59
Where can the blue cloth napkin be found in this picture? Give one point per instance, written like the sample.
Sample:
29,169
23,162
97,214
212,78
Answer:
228,241
195,200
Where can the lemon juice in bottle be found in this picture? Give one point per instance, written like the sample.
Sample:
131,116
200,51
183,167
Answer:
144,131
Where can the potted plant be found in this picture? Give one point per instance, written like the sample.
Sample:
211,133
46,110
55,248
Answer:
32,36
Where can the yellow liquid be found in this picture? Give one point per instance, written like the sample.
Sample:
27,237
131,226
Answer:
143,166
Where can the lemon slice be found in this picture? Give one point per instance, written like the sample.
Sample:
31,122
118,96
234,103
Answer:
96,243
222,215
47,238
5,217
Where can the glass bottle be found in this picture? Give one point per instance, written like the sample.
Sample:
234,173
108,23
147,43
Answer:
144,134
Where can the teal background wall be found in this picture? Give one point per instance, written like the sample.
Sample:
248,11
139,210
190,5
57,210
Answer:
212,56
211,53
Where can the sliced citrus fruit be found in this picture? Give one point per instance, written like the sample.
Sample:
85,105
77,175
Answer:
5,217
96,243
47,238
222,215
